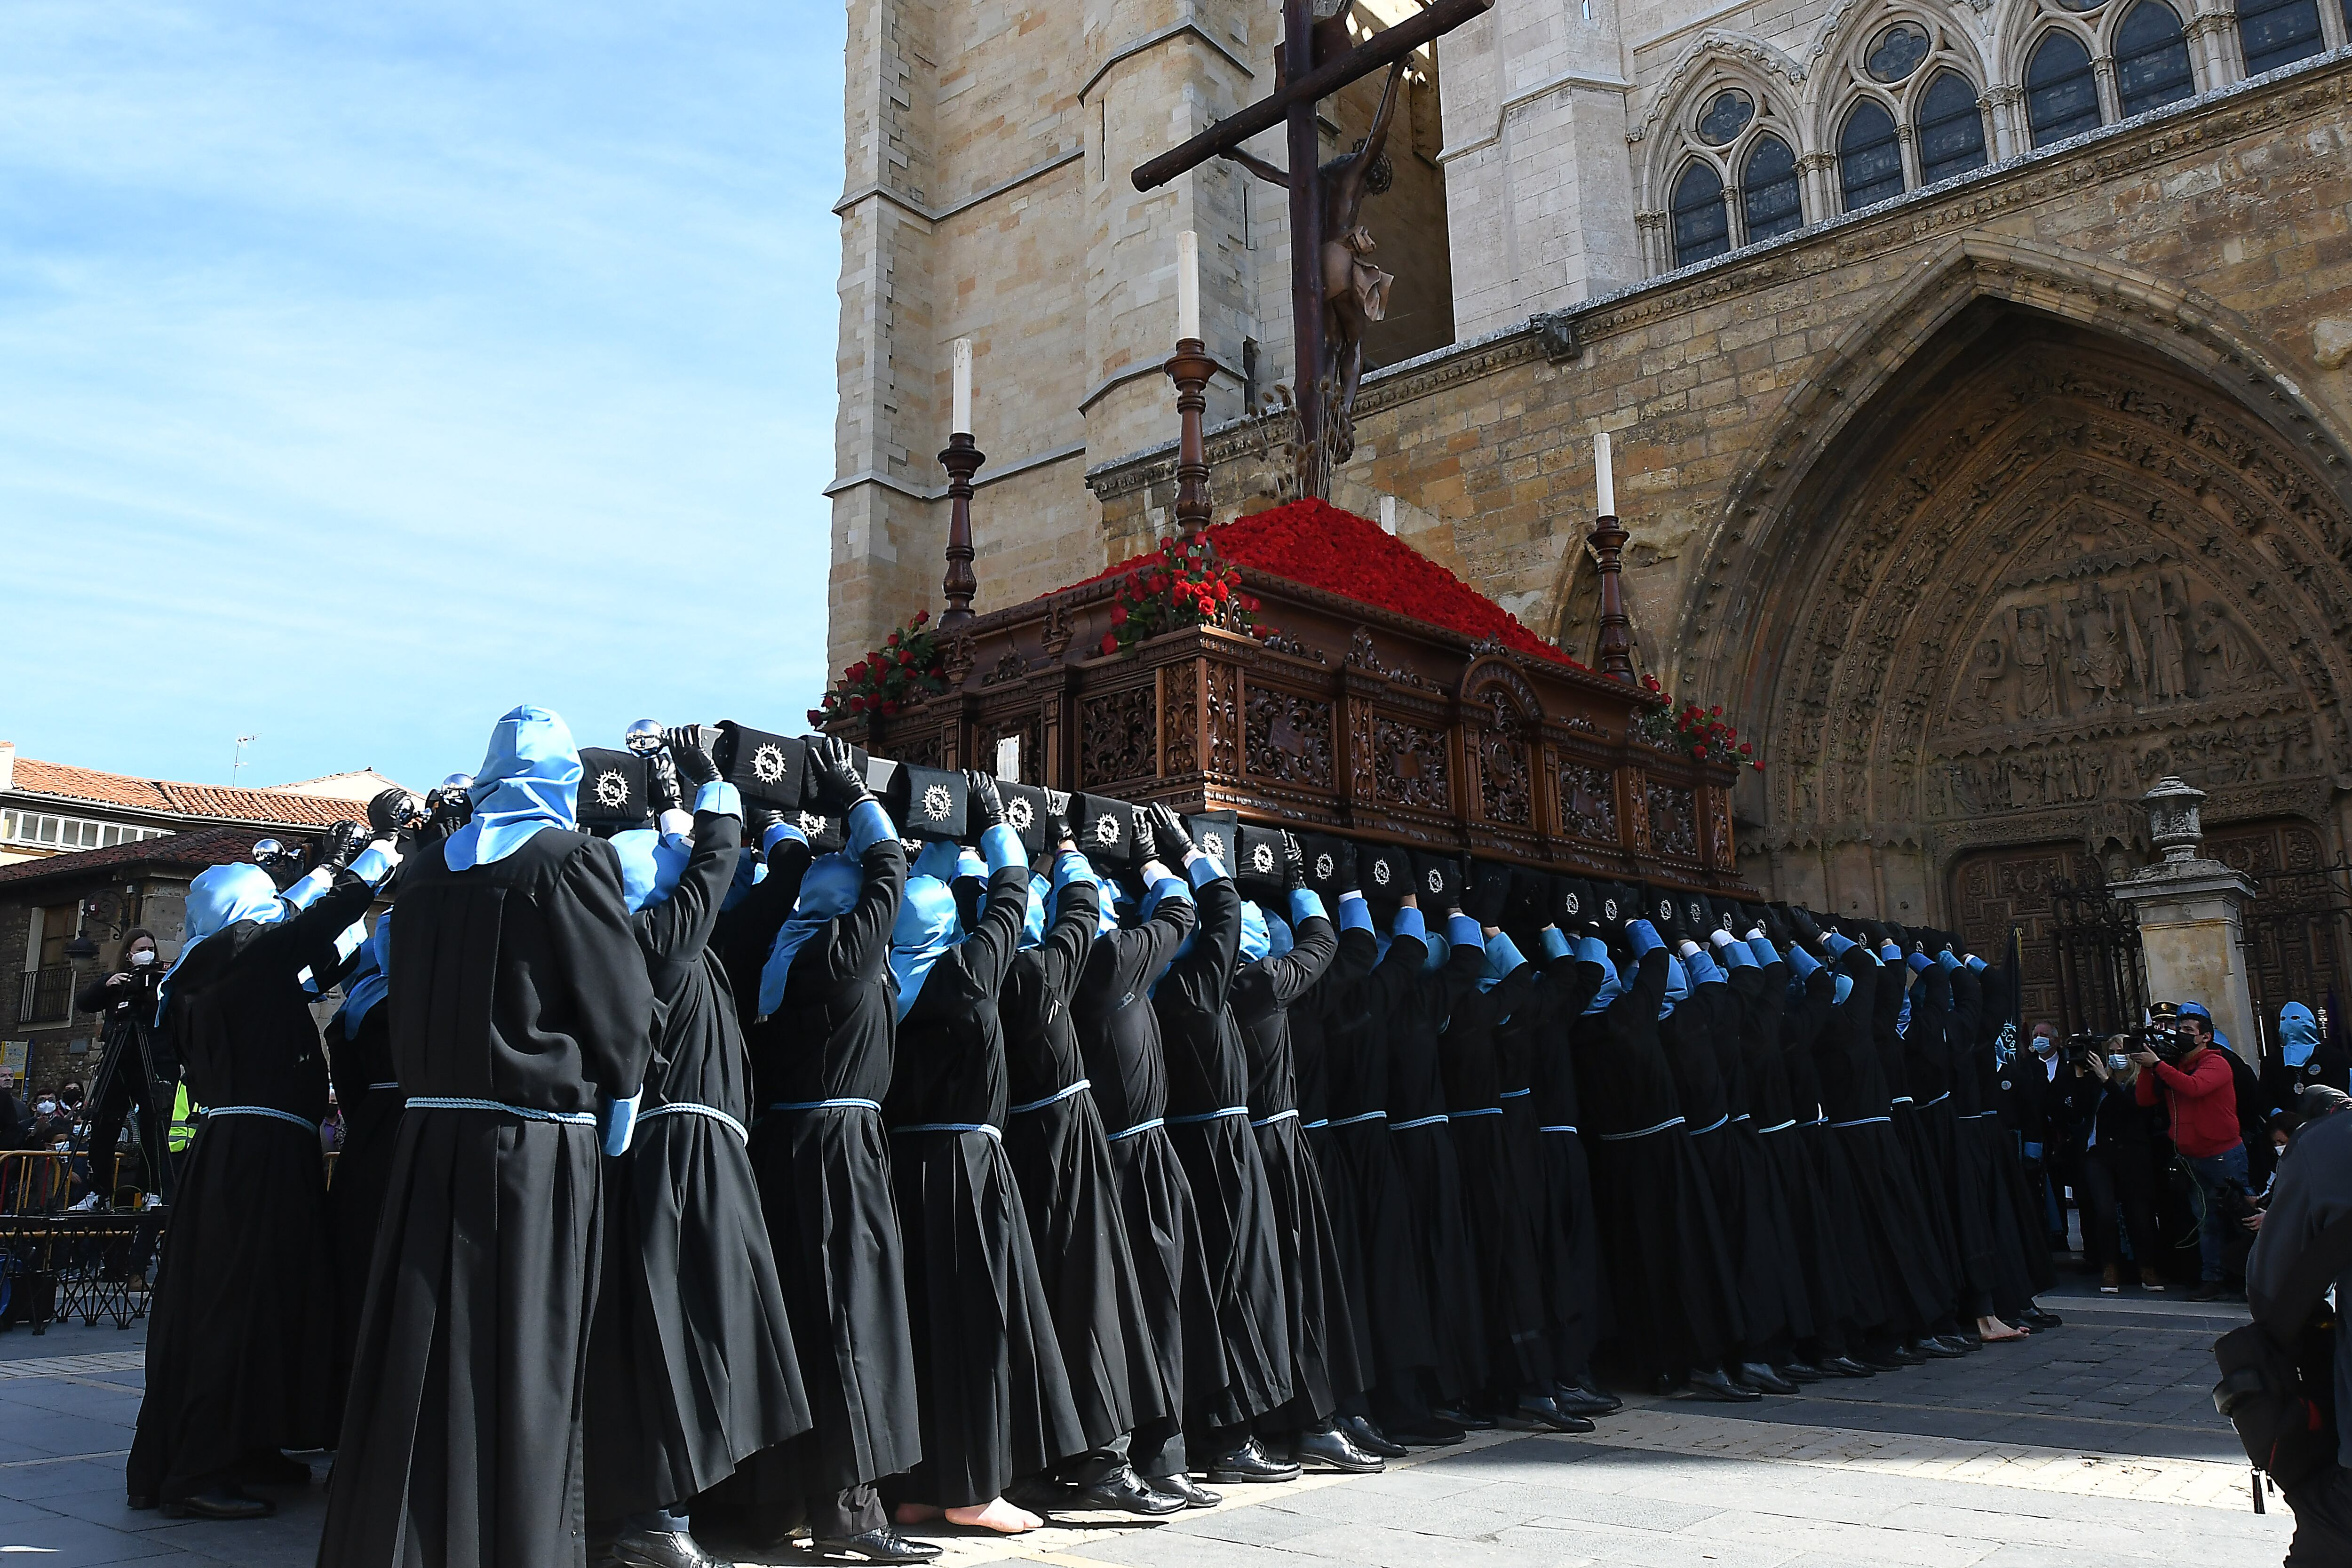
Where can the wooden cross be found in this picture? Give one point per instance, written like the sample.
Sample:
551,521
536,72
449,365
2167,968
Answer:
1304,81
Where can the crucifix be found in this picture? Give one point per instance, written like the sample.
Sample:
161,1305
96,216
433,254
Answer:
1314,62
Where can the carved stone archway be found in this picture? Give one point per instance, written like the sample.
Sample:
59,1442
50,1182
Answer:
2040,566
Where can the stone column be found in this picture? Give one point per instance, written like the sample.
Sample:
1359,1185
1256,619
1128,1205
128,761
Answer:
2191,913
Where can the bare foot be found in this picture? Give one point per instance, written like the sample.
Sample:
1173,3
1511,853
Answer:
997,1515
917,1513
1992,1330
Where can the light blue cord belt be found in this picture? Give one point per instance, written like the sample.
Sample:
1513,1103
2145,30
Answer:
1513,1093
949,1127
1777,1126
1560,1129
1139,1127
1900,1100
1081,1087
1938,1100
826,1104
1438,1121
1645,1132
1742,1117
373,1087
1195,1120
1481,1110
1270,1121
528,1113
689,1108
1861,1121
261,1110
1311,1126
1711,1126
1360,1119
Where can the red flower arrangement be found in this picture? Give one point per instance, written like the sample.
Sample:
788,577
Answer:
1703,734
1183,583
906,669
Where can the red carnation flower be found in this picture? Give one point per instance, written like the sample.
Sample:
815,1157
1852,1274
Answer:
1110,643
922,616
1759,764
1118,615
890,710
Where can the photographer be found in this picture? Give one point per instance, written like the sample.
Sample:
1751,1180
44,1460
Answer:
137,1069
2118,1165
2197,1086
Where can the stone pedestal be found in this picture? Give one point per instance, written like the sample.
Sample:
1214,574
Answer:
2190,914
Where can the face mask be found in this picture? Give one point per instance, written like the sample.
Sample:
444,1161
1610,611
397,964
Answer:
2117,1063
48,1108
2043,1045
144,956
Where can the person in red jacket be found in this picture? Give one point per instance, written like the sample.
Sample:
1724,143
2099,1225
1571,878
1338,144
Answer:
2202,1096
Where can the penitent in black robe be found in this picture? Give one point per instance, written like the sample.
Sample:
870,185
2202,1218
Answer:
518,981
1208,1121
1069,1188
994,1398
1442,1248
1532,1049
1324,1368
1750,1197
1308,1054
690,1362
241,1351
370,1098
1857,1297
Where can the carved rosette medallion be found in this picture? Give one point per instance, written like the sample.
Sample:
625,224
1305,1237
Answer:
1673,820
1504,777
1116,736
1287,738
1409,765
1588,803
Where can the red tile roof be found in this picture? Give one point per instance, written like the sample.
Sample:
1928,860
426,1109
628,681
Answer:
1317,545
71,784
186,851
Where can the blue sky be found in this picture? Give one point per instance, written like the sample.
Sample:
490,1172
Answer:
365,371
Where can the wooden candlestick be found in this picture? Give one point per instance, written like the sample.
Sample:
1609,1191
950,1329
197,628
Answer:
1616,647
962,460
1189,368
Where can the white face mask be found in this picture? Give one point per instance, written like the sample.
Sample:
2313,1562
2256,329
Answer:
144,955
48,1107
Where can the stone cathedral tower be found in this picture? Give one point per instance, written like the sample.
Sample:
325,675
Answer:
1977,372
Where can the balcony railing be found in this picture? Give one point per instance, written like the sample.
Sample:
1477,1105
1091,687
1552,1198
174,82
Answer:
47,997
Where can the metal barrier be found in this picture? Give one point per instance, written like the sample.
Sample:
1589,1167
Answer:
35,1181
86,1266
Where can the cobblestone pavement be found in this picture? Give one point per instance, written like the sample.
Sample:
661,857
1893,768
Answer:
2092,1445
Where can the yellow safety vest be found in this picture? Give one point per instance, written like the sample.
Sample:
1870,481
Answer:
183,1122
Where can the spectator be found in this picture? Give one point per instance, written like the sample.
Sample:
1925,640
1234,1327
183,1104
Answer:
15,1116
2299,1058
330,1130
2118,1166
2314,1194
2202,1094
2042,1130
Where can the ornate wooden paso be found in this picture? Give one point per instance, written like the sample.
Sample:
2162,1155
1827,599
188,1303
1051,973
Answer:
1353,719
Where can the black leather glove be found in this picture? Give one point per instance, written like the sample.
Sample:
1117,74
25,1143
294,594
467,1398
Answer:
756,825
662,793
393,812
342,844
1807,927
1170,845
1058,830
835,772
1352,874
1294,863
690,755
987,806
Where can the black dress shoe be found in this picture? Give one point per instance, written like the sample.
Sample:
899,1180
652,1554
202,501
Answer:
1536,1410
1714,1382
660,1549
1847,1366
883,1543
1366,1434
1881,1361
1907,1355
1042,1494
270,1468
1250,1462
1335,1450
1571,1400
1434,1435
1756,1375
140,1503
1184,1490
1973,1339
220,1500
1462,1415
1592,1385
2035,1318
1799,1372
1935,1350
1958,1345
1122,1492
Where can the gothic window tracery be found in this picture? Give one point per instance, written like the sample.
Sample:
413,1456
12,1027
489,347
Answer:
1733,173
2276,33
1906,110
1950,128
2152,65
1870,156
2062,93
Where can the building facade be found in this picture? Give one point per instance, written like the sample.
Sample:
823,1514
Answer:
1978,377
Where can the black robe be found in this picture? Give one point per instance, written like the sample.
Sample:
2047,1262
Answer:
1766,1222
1208,1121
370,1098
1126,1067
1419,1134
1931,1044
1069,1187
241,1351
1536,1051
825,1175
988,1366
2020,1251
1388,1297
691,1368
1937,1250
518,982
1308,1051
1324,1365
1856,1293
1670,1271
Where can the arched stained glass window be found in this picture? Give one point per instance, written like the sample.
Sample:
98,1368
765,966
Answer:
1869,156
2278,33
1950,128
2152,59
2062,97
1768,186
1702,224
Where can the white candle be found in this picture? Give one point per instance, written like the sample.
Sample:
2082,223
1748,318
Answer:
1603,475
1187,285
962,424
